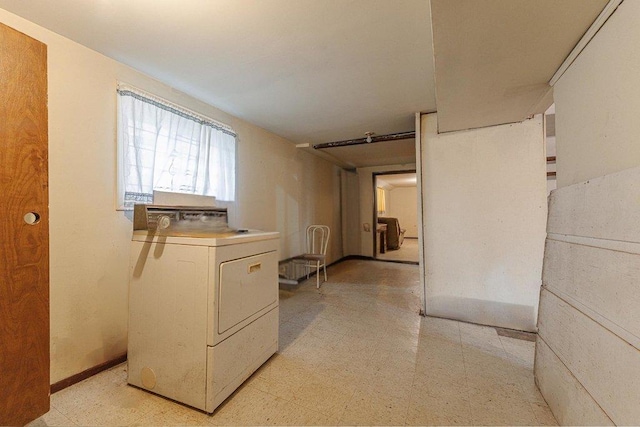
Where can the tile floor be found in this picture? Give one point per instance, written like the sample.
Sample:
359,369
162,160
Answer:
354,353
408,252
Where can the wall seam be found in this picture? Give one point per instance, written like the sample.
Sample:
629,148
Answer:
561,297
574,377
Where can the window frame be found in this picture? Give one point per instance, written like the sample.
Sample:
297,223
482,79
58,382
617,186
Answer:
214,134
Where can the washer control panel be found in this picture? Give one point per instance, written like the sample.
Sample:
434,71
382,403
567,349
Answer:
157,217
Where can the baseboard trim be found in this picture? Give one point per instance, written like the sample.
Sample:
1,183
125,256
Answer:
74,379
351,257
368,258
513,333
397,261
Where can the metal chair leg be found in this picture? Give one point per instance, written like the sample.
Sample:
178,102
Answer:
317,274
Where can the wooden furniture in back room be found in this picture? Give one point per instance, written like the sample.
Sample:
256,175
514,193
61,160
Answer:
395,234
381,230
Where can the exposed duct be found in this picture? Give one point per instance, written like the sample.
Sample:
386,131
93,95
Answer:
373,139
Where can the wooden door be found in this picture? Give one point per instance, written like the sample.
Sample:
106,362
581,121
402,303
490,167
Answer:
24,247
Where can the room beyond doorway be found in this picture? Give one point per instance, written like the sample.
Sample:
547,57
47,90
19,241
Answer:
395,216
408,252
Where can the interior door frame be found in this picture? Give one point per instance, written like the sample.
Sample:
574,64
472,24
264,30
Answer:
374,177
421,216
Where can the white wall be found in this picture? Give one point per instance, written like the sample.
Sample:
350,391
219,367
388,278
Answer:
484,196
350,213
589,321
597,102
588,352
402,203
366,187
278,188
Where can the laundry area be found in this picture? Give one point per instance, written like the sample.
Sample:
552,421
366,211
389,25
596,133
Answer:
426,371
203,303
310,212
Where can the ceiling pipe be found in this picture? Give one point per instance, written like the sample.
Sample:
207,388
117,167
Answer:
374,139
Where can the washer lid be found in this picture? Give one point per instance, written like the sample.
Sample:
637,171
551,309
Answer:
204,238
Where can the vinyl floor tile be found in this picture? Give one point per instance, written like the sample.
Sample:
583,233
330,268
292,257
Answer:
291,414
325,395
501,410
439,410
354,352
52,418
370,408
248,406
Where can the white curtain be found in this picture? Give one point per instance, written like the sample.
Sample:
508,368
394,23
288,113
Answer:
165,147
382,204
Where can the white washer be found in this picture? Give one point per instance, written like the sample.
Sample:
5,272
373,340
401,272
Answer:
203,312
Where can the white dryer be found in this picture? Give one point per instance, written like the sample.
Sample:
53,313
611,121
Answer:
203,304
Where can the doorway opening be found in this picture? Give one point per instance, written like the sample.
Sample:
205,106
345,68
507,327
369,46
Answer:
395,218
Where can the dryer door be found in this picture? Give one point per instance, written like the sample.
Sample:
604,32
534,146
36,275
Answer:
246,286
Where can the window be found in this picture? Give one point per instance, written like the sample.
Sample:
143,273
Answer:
382,206
164,147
